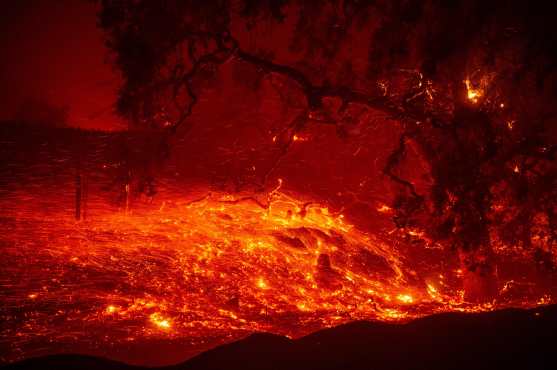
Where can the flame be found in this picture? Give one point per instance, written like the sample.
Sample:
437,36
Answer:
157,319
299,138
110,309
473,94
478,89
405,298
262,284
384,209
217,266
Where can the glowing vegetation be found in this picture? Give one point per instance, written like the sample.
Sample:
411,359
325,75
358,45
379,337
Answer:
214,266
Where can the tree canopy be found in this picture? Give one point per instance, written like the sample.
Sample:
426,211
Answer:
472,82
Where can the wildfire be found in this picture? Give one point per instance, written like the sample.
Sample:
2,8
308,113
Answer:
473,93
299,138
157,319
111,309
405,298
262,284
213,268
478,89
384,209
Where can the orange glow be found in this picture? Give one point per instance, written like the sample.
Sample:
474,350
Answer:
222,266
262,284
478,89
473,94
111,309
157,319
405,298
432,291
384,209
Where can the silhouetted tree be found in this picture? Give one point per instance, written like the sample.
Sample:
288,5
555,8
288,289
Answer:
472,82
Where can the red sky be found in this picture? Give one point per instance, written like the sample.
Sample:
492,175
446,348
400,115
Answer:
52,51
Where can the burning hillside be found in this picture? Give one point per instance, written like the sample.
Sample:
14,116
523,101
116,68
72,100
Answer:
290,166
202,267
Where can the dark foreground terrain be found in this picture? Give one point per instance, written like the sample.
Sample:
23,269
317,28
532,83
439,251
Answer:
507,339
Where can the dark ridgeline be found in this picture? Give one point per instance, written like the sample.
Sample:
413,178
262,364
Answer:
507,339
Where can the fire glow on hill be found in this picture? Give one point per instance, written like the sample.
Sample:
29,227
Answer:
281,177
213,269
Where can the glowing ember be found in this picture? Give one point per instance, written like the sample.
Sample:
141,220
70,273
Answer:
157,319
419,176
205,269
405,298
473,93
111,309
384,209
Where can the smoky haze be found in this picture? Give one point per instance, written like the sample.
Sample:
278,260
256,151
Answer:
53,54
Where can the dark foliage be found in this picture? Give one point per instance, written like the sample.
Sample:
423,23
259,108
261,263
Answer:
473,82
